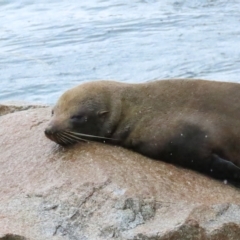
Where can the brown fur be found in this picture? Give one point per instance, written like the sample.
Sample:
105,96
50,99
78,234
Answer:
193,123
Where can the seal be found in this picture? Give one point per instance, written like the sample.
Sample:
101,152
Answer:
191,123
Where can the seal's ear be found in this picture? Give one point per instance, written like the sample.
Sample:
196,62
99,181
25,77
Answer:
102,113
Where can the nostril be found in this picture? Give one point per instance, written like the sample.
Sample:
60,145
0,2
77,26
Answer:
48,131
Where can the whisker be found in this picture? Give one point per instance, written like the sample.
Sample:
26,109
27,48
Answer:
61,140
73,137
91,136
64,139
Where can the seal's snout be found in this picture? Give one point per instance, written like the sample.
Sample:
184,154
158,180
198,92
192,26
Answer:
56,134
50,132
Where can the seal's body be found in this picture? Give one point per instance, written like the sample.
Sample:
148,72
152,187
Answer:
193,123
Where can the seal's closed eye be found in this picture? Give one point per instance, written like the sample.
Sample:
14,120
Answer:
77,117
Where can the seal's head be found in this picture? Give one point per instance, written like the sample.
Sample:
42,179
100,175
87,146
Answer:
79,115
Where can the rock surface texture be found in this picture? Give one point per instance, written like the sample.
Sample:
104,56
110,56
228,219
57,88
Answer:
95,191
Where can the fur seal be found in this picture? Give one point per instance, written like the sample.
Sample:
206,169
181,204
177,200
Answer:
191,123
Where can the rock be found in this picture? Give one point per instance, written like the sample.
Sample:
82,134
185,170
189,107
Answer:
96,191
12,107
12,237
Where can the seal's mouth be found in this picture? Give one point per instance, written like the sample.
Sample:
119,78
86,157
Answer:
67,137
64,138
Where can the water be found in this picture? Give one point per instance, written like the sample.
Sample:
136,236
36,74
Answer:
49,46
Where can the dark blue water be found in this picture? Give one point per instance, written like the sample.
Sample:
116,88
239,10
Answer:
48,46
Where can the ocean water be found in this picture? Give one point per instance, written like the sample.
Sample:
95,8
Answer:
49,46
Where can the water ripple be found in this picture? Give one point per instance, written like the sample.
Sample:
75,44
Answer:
48,46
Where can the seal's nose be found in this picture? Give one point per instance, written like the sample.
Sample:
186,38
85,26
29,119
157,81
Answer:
48,131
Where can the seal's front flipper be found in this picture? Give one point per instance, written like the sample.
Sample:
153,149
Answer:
224,170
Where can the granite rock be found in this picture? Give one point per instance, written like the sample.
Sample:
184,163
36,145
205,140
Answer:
95,191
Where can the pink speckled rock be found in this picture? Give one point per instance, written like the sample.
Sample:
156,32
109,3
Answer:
95,191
